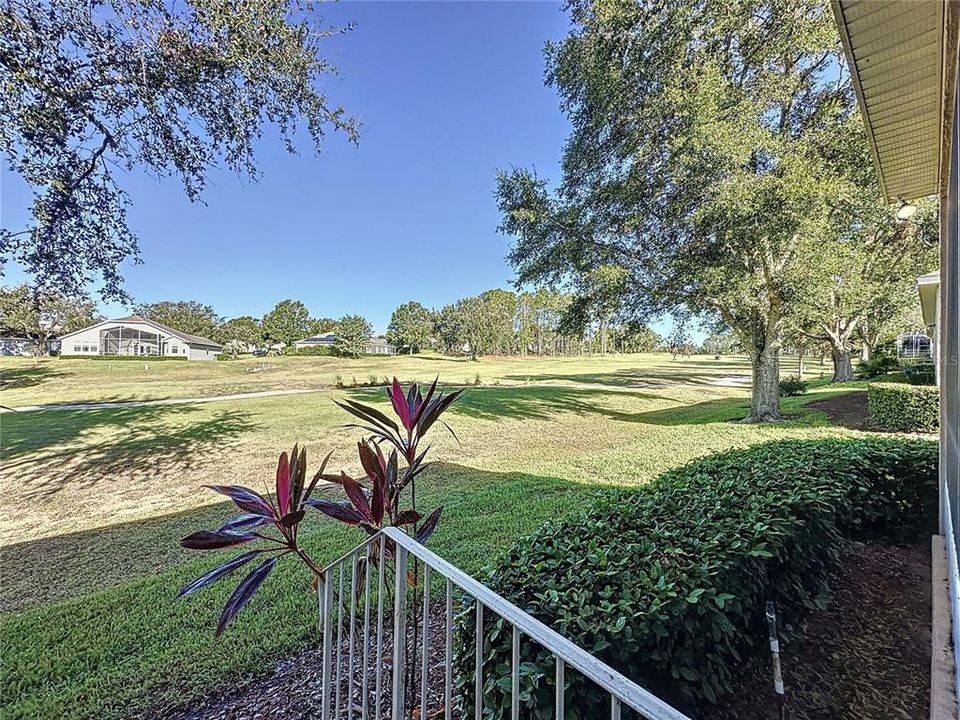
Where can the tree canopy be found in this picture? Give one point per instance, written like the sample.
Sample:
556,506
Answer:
288,322
39,315
353,332
91,91
187,316
244,330
705,145
861,282
410,328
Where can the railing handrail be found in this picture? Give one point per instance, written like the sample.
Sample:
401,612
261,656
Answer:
596,670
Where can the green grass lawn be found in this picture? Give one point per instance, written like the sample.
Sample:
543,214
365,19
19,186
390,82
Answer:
96,501
29,381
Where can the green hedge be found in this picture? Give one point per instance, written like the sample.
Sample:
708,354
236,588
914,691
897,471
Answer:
312,350
667,583
123,358
908,408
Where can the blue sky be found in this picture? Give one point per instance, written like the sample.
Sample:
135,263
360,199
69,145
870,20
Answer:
447,93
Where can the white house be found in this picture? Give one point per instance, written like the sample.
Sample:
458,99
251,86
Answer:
134,335
376,345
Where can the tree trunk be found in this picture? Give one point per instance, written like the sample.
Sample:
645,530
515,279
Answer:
765,398
866,352
603,337
842,367
800,363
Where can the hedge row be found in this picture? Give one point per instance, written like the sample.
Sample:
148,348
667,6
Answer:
667,584
907,408
312,350
132,358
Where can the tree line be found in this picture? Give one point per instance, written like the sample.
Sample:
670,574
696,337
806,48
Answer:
502,322
495,322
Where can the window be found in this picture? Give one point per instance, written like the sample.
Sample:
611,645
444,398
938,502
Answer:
86,348
175,350
76,348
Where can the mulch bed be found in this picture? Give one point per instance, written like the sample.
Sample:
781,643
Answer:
865,657
293,689
848,410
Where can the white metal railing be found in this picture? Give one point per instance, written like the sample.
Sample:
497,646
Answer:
365,671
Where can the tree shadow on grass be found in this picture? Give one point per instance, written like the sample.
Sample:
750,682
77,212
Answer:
24,377
733,409
643,376
528,402
51,569
44,452
484,512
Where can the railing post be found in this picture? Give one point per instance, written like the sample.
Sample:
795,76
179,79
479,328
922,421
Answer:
326,591
399,631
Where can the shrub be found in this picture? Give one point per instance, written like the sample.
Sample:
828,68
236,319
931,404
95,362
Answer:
907,408
923,374
792,385
667,583
879,364
312,350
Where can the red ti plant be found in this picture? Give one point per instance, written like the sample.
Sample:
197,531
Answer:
284,516
371,509
417,414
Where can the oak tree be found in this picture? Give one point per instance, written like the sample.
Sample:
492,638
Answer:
92,90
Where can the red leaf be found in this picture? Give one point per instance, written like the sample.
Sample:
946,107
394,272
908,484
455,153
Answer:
408,517
379,499
292,518
368,459
426,530
400,404
215,539
245,499
248,520
342,511
359,499
283,484
245,590
218,572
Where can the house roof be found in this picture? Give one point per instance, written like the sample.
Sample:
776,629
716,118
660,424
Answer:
897,53
192,339
317,338
186,337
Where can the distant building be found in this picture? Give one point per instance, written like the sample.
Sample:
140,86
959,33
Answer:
377,345
914,344
321,340
134,335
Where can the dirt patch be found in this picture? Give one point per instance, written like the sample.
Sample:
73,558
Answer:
848,410
866,657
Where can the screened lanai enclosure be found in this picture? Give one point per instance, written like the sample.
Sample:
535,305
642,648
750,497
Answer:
127,341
